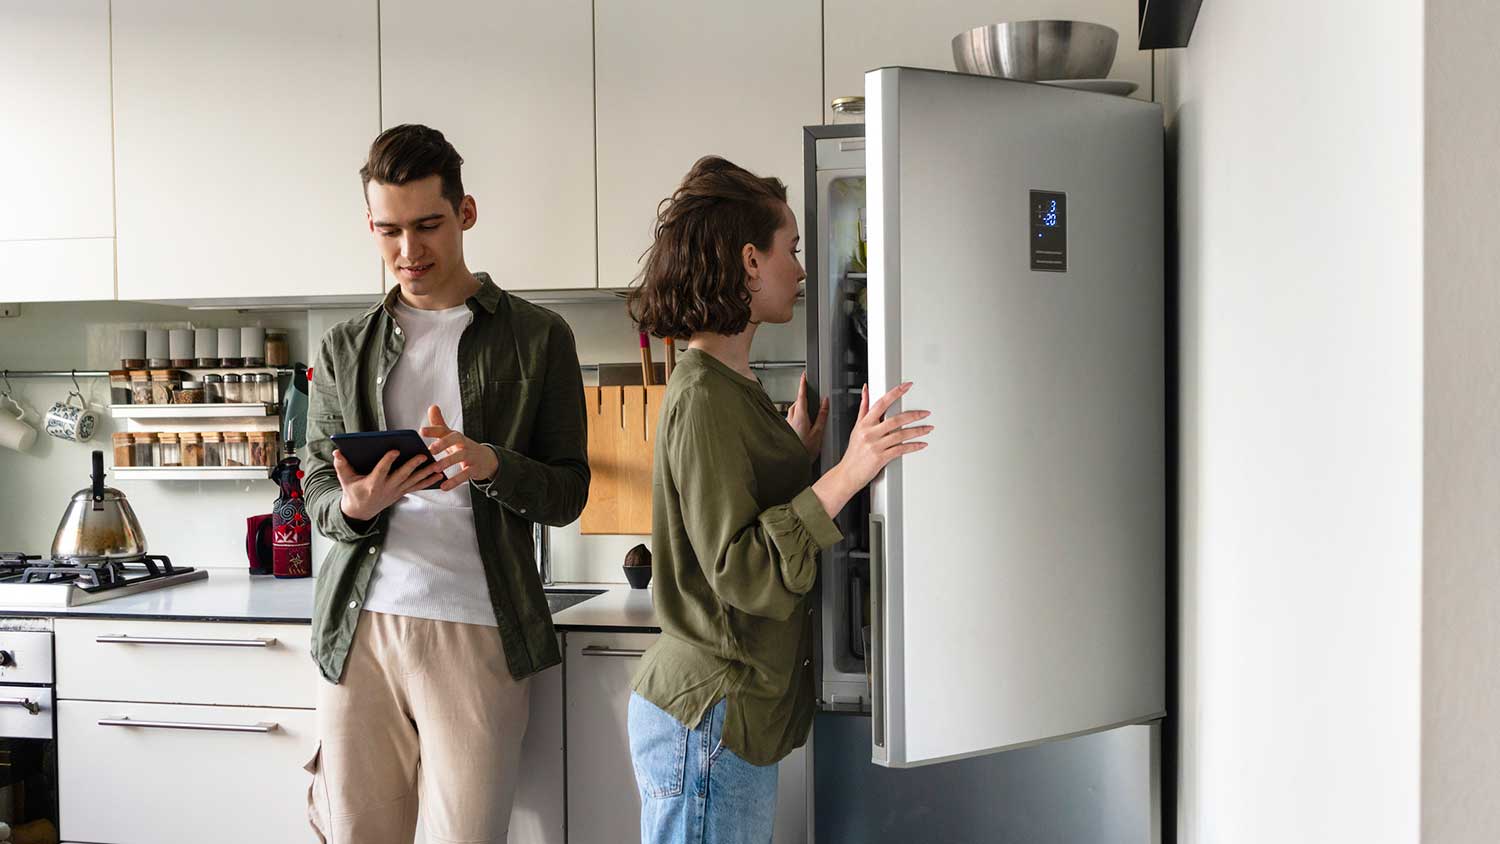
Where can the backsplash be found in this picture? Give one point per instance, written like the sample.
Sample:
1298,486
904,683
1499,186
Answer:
202,523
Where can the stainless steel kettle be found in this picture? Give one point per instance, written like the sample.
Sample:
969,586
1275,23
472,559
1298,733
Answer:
99,524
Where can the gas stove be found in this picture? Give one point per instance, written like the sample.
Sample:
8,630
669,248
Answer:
28,580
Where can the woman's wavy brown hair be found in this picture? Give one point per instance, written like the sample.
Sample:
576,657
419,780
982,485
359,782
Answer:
694,279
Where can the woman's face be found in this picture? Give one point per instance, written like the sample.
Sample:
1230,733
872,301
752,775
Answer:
775,274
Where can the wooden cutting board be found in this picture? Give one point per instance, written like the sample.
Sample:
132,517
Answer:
622,437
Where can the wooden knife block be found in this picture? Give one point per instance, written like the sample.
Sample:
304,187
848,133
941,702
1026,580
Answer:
622,438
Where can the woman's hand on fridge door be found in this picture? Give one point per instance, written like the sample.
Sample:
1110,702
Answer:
874,443
810,430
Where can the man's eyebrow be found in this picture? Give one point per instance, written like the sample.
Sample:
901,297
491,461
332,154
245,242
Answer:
386,224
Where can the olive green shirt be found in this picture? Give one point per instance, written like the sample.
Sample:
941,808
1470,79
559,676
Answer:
522,396
736,533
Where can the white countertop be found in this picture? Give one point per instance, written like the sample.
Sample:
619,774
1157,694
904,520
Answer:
231,594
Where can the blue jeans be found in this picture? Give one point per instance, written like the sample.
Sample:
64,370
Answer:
694,790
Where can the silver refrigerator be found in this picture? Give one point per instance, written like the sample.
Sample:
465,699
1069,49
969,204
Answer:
1000,244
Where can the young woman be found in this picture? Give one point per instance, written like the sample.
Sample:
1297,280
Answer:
738,521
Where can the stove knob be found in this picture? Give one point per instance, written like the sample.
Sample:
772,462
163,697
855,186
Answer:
7,659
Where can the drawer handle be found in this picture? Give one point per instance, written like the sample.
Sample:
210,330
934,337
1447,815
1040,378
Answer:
264,642
600,650
25,703
262,727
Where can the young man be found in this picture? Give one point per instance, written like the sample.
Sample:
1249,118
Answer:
429,614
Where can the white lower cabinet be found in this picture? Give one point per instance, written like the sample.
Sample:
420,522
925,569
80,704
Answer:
603,803
170,774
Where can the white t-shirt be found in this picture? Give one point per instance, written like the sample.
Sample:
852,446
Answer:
430,566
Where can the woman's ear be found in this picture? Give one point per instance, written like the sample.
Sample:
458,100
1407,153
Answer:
752,266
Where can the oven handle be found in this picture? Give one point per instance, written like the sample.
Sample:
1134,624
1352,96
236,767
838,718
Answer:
25,703
263,642
126,721
600,650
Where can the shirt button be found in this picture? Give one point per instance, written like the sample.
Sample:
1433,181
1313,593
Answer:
523,511
380,379
371,551
353,604
398,329
806,662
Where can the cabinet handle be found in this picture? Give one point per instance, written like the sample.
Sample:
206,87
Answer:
262,727
600,650
25,703
263,642
852,145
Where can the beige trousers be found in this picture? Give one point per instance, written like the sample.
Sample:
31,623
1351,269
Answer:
425,708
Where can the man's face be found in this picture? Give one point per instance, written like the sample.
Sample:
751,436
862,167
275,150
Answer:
419,234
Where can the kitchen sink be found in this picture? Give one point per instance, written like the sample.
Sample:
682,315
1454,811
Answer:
560,599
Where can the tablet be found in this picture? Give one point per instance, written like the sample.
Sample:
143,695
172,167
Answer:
365,449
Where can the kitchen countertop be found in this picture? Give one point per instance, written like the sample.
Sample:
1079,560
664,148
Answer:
233,595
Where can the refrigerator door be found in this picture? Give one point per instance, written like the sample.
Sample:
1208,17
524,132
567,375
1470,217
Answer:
1015,276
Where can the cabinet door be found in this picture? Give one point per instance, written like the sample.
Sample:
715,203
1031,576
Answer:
57,212
171,774
603,802
521,114
677,80
861,35
239,132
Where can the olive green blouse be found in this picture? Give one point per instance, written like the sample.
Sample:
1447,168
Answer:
736,532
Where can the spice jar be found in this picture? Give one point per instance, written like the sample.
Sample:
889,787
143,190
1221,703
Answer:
192,449
145,447
213,448
119,387
158,348
140,386
205,347
253,345
213,389
278,352
236,448
191,392
259,453
133,348
848,109
232,389
124,450
164,383
265,388
180,344
168,450
229,347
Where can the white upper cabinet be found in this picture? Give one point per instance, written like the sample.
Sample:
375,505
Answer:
57,203
862,35
511,85
239,132
680,79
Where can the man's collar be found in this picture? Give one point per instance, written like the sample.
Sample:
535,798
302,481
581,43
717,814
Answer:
488,297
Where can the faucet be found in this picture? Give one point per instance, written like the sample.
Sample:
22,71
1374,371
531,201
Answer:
541,546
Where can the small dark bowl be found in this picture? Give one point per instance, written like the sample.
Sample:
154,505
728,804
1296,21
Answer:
638,576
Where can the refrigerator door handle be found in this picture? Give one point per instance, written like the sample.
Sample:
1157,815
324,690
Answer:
877,630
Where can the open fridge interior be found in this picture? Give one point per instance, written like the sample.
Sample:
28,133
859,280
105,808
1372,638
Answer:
843,331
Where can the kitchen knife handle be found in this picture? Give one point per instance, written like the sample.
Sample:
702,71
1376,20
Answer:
263,642
126,721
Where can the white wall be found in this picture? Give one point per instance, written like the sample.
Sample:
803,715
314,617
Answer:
1461,582
1297,128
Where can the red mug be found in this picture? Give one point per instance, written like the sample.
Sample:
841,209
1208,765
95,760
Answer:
258,546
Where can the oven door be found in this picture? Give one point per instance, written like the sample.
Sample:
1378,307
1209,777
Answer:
28,759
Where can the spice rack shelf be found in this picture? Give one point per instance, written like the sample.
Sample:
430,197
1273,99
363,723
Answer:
190,411
191,473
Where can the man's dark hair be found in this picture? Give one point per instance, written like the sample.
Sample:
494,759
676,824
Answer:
412,152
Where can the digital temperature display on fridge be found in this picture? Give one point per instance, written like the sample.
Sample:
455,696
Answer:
1049,231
